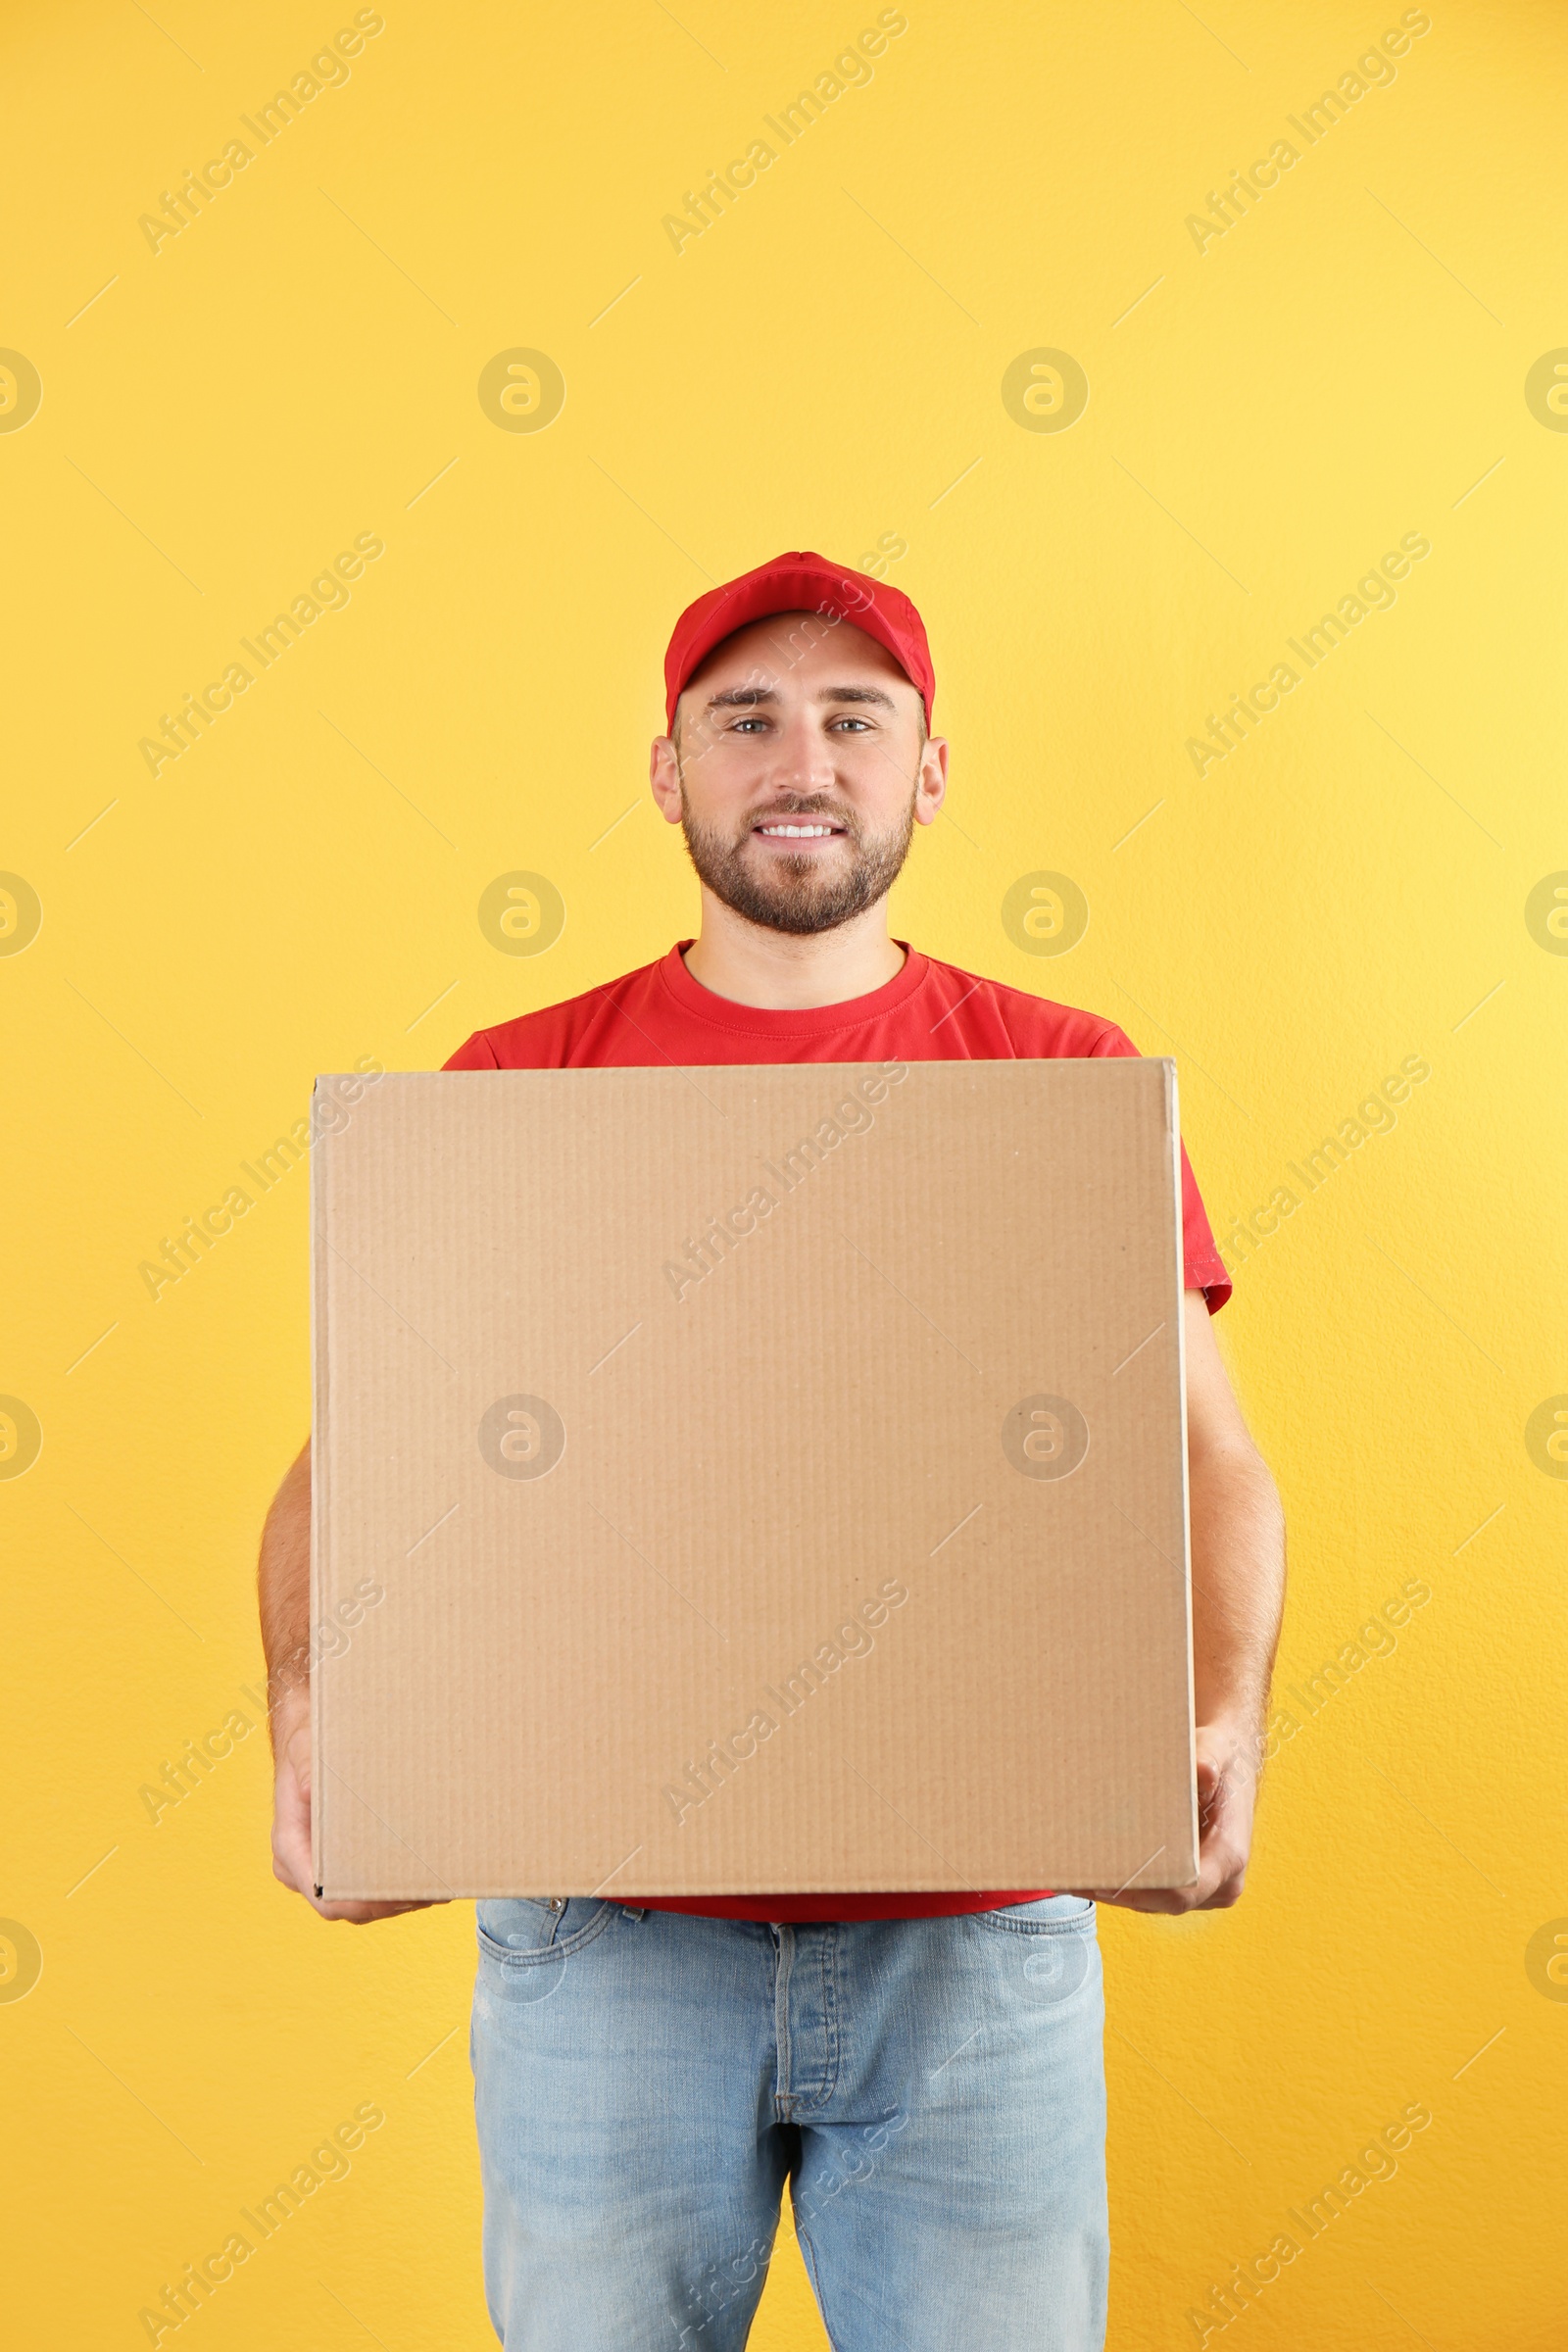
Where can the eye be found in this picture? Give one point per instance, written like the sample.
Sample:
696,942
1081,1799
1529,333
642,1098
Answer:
754,720
862,723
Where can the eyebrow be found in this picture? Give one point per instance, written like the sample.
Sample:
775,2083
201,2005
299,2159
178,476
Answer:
748,697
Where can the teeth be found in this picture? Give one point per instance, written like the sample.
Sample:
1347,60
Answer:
797,832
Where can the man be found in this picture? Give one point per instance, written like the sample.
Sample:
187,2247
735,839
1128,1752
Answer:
923,2070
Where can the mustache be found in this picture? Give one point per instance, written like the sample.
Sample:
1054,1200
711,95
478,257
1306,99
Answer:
774,895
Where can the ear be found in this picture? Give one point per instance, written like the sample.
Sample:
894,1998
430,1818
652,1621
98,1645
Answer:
664,776
931,781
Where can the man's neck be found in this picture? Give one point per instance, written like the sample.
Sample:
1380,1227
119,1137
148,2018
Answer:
787,970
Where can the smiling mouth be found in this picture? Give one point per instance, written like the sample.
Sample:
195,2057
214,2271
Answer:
798,829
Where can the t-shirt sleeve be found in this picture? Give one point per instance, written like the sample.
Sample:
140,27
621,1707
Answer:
1203,1269
474,1054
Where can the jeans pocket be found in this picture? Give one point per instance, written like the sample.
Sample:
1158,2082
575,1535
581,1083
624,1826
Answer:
1047,1951
526,1931
1050,1915
518,1971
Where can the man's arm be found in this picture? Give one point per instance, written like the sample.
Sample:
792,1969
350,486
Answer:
283,1586
1238,1539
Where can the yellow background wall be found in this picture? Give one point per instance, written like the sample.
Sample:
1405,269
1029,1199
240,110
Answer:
822,366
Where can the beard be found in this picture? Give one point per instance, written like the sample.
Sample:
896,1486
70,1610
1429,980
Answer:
798,894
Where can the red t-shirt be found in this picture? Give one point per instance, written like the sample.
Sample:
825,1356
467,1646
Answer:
929,1011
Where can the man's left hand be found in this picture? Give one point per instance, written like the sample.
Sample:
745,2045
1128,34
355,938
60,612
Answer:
1227,1791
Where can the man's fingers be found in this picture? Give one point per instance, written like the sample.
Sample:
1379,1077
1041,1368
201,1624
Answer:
1217,1872
1224,1819
293,1871
292,1863
1213,1795
291,1842
296,1757
361,1915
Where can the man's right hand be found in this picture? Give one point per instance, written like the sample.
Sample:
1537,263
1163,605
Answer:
291,1814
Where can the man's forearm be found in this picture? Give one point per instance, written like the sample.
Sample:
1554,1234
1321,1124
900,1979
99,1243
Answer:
1237,1536
283,1583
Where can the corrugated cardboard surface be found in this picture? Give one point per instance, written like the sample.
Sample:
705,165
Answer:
783,1576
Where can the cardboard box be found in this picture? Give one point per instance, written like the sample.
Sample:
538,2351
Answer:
751,1480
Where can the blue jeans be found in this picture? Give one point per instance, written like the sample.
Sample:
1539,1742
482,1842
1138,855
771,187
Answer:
931,2089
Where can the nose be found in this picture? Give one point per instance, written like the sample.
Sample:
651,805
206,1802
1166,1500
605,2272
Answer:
803,758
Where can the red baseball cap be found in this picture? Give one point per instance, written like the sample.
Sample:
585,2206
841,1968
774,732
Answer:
799,583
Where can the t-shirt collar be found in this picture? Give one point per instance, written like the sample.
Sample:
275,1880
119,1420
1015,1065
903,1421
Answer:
806,1020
